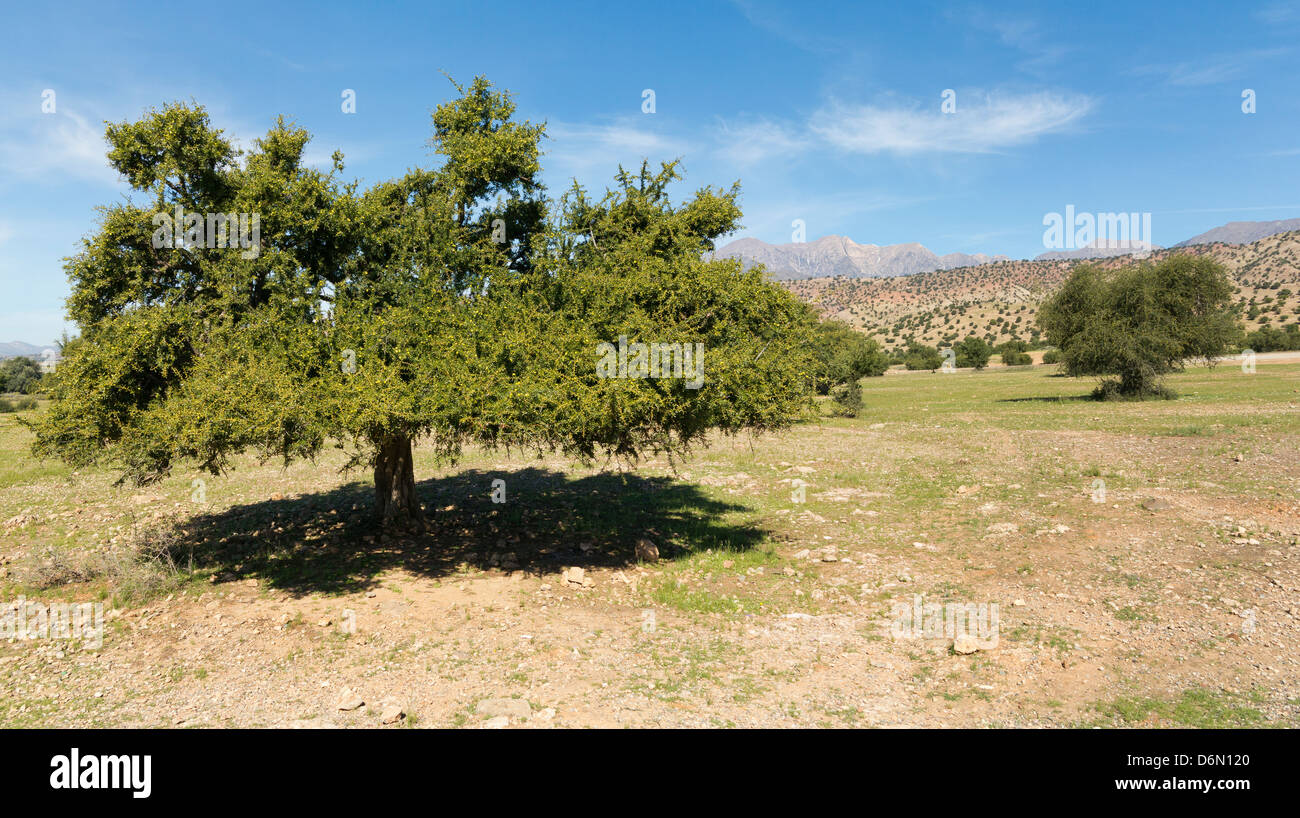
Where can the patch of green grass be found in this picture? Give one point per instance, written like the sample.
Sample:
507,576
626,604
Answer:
1186,431
1131,614
1199,707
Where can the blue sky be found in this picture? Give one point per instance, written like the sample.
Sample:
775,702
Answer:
828,114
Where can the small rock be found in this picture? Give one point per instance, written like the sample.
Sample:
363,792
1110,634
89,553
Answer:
965,645
496,723
392,713
349,700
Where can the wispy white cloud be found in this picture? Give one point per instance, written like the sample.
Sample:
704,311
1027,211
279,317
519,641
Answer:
750,142
280,58
61,145
593,152
770,218
1280,13
786,23
1021,34
981,124
1209,70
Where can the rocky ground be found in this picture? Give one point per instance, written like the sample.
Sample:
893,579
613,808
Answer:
1143,560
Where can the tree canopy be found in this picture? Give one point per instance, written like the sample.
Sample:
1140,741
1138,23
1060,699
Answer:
20,374
842,354
973,352
455,304
1141,322
921,356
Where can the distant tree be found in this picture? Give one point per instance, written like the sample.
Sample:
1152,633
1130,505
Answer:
452,305
19,374
842,354
1014,353
973,353
1052,356
1141,322
1272,339
920,356
847,398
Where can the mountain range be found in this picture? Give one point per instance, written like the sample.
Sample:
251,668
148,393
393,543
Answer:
14,349
841,256
831,256
999,300
1242,232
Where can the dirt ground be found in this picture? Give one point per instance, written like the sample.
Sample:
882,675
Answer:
1142,558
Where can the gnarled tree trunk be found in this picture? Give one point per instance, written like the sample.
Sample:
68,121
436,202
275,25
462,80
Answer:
395,500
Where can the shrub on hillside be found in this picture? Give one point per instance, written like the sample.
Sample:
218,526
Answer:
1272,339
920,356
973,353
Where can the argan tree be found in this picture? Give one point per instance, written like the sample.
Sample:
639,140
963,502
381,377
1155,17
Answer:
973,352
842,354
453,305
920,356
1141,322
20,374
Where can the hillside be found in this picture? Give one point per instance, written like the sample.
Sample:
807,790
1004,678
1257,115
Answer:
999,300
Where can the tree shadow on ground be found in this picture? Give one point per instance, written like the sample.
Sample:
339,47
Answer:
327,542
